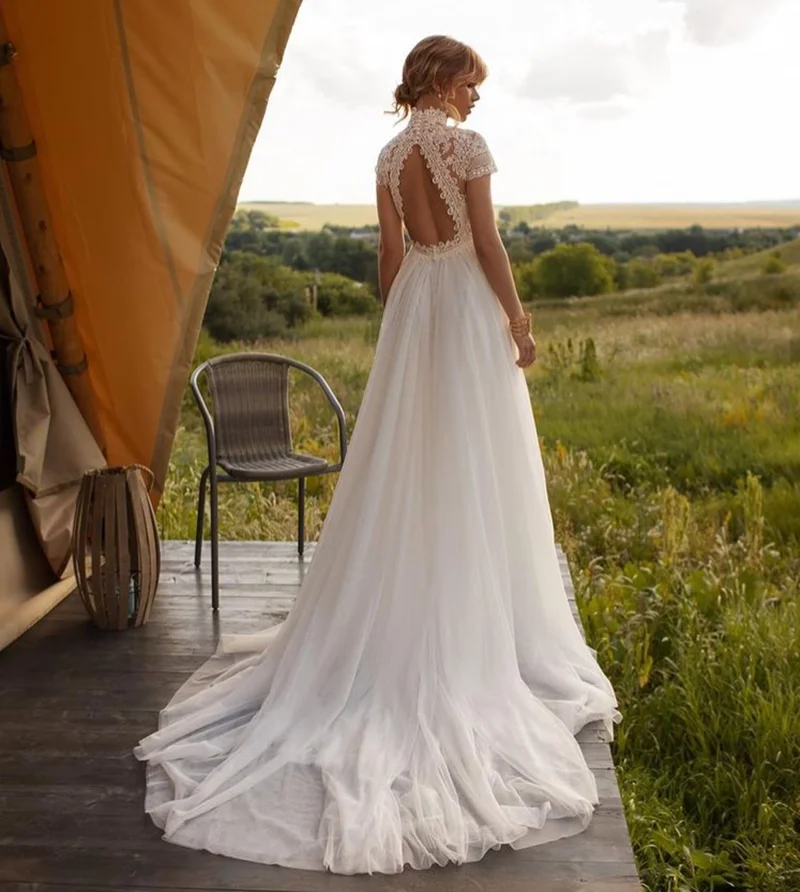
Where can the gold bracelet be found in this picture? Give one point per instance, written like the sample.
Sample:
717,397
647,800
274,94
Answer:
521,325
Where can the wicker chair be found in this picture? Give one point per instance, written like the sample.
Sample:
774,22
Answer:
249,435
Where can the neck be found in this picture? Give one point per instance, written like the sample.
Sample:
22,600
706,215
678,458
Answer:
429,103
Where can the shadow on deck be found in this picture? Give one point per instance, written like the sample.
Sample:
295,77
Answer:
75,700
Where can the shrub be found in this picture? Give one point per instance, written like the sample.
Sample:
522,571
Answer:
576,269
773,265
643,274
339,296
703,270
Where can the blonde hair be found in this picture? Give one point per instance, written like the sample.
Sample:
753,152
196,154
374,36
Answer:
437,61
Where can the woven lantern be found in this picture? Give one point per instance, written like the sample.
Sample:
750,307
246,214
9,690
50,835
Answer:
115,550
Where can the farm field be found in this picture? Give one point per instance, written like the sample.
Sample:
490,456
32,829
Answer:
616,216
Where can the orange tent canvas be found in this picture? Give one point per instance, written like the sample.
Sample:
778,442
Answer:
143,114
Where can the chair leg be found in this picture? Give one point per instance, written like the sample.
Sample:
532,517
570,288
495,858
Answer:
201,518
301,516
214,541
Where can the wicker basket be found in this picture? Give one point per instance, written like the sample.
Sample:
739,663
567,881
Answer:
115,550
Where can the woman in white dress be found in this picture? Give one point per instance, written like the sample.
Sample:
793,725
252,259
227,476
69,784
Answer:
419,704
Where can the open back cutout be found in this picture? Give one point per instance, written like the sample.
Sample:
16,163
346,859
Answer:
427,218
425,168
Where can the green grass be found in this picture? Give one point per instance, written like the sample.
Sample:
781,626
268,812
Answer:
697,626
722,296
753,263
671,441
693,417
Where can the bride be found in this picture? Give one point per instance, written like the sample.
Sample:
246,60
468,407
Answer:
419,704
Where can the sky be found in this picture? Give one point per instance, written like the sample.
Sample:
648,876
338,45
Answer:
597,101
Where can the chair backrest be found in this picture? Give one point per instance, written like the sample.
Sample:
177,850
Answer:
250,405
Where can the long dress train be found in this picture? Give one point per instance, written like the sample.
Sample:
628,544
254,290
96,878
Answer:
419,704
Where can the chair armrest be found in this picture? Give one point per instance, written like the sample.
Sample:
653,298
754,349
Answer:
331,397
208,421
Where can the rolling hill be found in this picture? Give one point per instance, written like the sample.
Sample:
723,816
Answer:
752,263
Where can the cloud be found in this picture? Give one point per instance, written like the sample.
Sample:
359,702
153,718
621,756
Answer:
720,22
607,111
591,71
343,79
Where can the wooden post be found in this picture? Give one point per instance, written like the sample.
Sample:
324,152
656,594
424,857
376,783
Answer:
55,302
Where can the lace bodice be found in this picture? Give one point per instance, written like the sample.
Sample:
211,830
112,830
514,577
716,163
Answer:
452,155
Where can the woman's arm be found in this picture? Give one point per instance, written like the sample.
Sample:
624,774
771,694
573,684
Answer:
493,259
392,246
489,247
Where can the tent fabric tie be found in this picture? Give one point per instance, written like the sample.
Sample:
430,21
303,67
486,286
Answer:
28,353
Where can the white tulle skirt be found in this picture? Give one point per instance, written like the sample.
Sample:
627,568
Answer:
419,704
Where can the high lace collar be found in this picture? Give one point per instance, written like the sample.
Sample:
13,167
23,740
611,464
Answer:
427,117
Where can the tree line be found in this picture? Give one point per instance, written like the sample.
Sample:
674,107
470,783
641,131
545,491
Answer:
271,279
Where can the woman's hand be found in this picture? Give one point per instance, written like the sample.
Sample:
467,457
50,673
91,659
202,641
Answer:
527,350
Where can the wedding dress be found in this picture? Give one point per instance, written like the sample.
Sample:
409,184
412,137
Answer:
419,704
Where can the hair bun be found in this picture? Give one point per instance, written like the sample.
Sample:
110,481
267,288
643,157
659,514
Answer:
404,98
403,94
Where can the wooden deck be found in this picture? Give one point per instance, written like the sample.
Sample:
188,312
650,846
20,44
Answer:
74,701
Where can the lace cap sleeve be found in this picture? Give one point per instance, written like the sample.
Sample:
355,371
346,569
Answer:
480,162
382,168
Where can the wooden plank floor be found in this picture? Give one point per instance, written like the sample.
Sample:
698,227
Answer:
75,700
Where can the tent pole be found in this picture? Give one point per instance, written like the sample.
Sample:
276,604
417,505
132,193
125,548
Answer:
18,150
